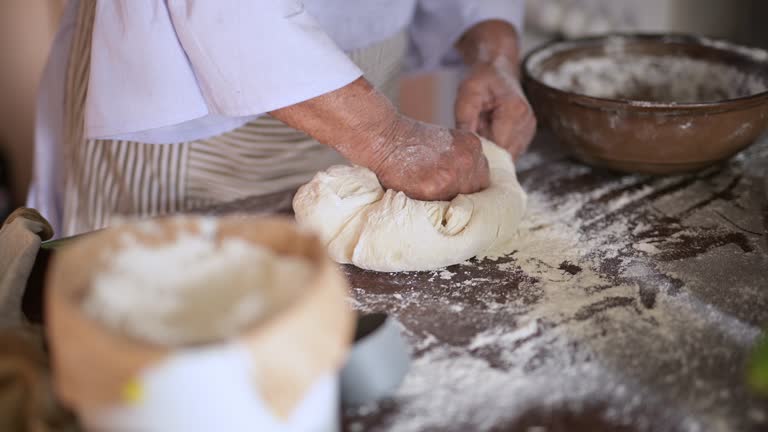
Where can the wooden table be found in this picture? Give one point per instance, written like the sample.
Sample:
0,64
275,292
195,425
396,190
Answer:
634,309
631,303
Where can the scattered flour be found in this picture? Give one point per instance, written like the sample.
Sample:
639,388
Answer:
646,247
446,275
612,306
195,290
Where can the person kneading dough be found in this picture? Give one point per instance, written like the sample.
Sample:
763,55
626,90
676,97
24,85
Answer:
164,106
380,230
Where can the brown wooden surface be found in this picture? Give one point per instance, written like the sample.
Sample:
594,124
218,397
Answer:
689,380
711,262
651,370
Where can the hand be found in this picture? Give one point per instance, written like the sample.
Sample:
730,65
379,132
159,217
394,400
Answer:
490,101
426,162
429,162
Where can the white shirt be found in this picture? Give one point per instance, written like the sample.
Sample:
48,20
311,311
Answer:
165,71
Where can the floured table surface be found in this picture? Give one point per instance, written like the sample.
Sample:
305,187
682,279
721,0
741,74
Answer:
630,304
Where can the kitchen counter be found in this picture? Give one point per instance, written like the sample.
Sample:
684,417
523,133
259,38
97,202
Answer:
630,303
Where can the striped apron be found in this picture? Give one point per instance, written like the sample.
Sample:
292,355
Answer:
106,180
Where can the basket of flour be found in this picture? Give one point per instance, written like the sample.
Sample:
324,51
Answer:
199,324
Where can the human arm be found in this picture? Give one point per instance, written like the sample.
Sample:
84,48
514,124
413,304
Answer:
483,36
426,162
490,100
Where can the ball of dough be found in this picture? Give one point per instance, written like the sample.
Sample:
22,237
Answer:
374,229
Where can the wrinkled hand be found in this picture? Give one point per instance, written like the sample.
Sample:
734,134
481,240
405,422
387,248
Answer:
432,163
490,101
426,162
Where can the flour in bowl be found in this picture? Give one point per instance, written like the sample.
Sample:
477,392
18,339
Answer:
194,290
663,79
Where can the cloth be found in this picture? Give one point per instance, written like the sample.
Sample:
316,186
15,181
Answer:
26,397
20,238
164,63
182,78
119,178
166,73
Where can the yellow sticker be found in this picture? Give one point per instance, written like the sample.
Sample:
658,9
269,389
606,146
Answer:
133,392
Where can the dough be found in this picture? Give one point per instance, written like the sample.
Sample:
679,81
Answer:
386,231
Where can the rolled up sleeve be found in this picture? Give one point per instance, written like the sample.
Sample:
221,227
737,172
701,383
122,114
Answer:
169,70
438,25
254,56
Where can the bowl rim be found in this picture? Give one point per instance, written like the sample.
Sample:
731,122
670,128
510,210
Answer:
639,105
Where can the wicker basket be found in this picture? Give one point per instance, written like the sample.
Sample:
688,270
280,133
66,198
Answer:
96,370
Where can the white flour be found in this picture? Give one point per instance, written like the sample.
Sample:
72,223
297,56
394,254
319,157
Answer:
194,290
642,341
654,79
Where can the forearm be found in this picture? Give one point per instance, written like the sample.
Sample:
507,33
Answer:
355,120
426,162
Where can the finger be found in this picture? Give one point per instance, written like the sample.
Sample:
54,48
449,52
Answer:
523,136
519,142
467,112
479,177
433,189
513,125
503,130
483,175
470,101
484,126
527,136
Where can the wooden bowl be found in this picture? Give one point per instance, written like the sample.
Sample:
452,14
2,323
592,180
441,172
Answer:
643,128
